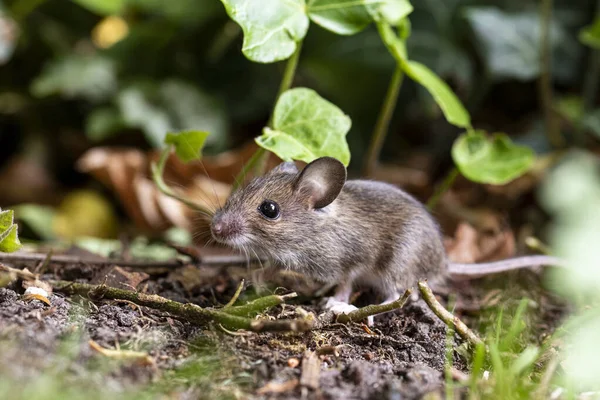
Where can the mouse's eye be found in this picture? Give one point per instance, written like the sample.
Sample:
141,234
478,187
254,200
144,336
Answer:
269,209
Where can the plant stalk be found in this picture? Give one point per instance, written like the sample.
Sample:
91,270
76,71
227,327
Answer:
383,121
545,81
442,188
157,176
257,160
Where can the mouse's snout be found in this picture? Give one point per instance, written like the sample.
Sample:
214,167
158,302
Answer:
225,228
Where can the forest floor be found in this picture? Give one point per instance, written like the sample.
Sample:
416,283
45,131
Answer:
59,350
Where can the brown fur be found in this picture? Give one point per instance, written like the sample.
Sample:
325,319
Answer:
371,234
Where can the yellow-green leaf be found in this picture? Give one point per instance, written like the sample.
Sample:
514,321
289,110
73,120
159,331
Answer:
306,127
451,106
188,144
9,238
496,160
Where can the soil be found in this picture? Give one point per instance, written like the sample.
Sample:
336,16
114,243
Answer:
402,357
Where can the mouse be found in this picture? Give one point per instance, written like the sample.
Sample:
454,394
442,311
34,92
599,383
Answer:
347,232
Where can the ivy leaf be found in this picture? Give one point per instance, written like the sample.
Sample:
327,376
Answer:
172,106
39,219
188,144
271,27
306,127
394,11
92,77
453,110
495,161
344,17
590,35
9,238
451,106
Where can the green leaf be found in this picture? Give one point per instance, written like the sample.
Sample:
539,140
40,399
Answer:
590,35
509,43
9,239
271,27
102,7
91,77
38,218
306,127
394,11
495,161
172,106
344,17
451,106
102,123
188,144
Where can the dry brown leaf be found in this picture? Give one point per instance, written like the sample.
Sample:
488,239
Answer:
311,370
472,246
278,387
119,278
127,172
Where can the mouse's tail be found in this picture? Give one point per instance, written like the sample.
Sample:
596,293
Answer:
481,269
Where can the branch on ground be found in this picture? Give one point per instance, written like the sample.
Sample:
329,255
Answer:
373,309
140,264
189,312
447,317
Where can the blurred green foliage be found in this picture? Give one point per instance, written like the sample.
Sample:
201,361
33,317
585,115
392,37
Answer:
179,67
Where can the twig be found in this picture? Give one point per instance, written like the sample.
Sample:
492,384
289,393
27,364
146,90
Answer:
259,305
189,312
545,81
43,265
447,317
542,390
235,295
373,309
19,273
139,356
72,259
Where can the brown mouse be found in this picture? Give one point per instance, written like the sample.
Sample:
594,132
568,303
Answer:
351,233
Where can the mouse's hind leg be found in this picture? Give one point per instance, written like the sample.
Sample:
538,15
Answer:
339,303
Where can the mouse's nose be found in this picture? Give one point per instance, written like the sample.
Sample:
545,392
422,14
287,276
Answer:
217,227
224,227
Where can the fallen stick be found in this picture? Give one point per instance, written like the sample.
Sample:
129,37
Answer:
373,309
446,316
233,259
189,312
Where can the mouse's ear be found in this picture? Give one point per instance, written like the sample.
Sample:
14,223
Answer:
287,167
321,181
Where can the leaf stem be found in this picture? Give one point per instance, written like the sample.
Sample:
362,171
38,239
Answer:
383,121
545,81
157,176
442,188
258,158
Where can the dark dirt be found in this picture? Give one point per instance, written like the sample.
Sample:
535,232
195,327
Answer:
403,358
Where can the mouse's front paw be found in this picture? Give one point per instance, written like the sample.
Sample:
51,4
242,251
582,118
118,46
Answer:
339,307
